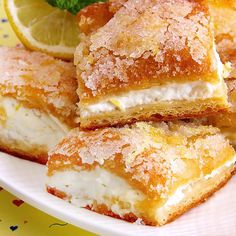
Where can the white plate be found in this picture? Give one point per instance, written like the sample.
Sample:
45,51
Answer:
216,217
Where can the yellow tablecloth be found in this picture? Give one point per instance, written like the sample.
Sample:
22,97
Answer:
18,218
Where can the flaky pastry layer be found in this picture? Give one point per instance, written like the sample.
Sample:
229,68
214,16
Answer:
226,121
35,154
170,110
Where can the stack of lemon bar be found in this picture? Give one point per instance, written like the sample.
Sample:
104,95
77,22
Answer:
156,95
145,69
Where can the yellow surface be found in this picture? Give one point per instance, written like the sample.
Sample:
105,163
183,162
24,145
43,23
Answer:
25,220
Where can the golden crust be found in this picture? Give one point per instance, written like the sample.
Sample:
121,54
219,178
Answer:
39,81
231,84
131,217
139,152
227,119
36,154
201,192
223,3
223,120
166,111
146,43
224,15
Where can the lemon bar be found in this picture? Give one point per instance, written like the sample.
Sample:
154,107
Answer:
153,60
37,102
150,172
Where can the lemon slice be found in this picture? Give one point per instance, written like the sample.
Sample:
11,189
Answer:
42,27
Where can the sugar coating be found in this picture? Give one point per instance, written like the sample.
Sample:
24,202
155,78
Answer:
224,15
153,157
38,80
145,41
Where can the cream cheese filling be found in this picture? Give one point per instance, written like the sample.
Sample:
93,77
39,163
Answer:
100,185
170,92
27,127
174,91
85,187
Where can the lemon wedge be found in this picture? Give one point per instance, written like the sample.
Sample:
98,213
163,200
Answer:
42,27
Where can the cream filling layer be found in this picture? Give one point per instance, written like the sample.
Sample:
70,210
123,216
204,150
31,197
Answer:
98,185
188,91
171,92
25,127
85,187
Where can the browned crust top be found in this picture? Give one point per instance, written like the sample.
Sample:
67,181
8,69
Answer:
147,42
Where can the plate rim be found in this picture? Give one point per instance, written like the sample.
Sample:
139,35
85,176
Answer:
81,222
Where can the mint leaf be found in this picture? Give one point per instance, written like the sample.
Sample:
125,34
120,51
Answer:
73,6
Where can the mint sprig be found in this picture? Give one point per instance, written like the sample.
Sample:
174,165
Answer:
73,6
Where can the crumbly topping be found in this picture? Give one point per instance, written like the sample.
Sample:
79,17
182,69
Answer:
99,145
155,26
38,80
153,157
144,41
